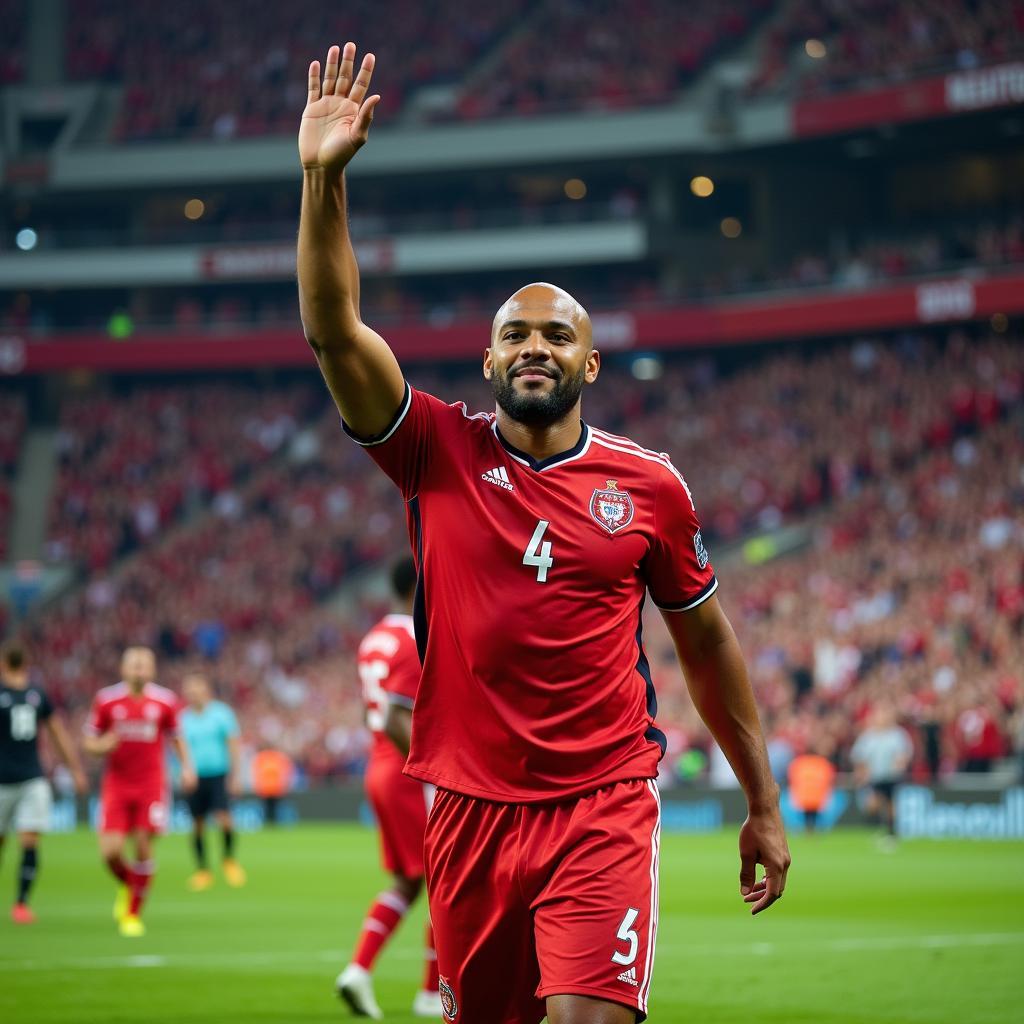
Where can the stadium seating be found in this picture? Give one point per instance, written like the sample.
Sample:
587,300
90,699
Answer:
133,465
875,42
198,70
591,58
895,442
12,428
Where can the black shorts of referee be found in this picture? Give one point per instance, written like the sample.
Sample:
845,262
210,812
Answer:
210,794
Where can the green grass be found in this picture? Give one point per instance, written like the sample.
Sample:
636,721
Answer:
931,933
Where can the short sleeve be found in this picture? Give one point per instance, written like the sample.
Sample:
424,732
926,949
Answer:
677,568
46,708
404,450
99,718
230,722
171,719
404,678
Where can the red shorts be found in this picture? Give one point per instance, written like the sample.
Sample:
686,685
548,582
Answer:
400,807
534,900
126,810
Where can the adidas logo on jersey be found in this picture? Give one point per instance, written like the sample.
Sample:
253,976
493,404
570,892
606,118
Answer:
498,476
629,977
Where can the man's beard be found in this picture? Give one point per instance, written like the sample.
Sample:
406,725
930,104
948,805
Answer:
538,408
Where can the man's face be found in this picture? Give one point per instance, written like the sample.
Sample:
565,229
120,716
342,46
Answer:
138,665
196,691
540,355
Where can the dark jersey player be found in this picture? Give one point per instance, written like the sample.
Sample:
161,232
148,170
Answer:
389,674
25,799
537,538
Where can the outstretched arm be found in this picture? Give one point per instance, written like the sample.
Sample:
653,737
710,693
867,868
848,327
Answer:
717,679
361,371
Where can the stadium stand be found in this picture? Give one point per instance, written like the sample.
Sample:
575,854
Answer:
133,465
992,240
869,42
189,69
593,59
12,17
12,429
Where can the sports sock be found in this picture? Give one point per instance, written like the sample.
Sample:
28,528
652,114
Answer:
199,845
119,869
383,918
142,875
430,961
229,843
27,875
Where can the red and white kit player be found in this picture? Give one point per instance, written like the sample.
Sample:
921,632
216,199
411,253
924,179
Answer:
389,673
537,539
129,723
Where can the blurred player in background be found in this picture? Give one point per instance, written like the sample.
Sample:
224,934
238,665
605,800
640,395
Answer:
881,756
537,539
128,724
25,799
210,730
812,777
389,671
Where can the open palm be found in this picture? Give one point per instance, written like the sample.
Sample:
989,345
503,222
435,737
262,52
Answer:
338,114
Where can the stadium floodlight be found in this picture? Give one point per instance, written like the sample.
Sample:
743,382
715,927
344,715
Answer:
702,186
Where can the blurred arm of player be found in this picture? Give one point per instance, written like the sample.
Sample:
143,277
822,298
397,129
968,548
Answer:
188,775
717,680
359,367
100,745
235,760
398,726
59,736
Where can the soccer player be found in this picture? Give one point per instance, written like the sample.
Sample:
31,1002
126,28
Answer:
25,798
881,755
537,538
211,733
389,670
128,724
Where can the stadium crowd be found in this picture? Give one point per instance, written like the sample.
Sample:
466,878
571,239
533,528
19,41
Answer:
887,452
879,42
217,78
133,465
200,70
605,61
12,430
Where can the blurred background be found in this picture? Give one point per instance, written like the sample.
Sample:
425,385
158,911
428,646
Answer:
799,228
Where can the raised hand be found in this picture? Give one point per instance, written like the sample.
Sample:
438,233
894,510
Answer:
338,114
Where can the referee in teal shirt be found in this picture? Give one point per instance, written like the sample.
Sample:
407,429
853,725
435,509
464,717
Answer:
211,733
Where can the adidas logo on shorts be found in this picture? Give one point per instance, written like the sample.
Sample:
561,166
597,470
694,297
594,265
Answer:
629,977
499,477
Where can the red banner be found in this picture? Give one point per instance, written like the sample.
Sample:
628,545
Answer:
937,96
724,323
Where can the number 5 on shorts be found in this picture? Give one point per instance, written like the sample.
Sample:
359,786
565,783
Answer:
627,933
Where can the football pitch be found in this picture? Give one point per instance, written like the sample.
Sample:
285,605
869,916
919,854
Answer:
930,933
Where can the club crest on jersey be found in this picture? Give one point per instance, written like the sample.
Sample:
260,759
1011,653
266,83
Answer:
700,550
449,1004
612,508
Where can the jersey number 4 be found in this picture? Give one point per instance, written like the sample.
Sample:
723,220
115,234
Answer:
538,552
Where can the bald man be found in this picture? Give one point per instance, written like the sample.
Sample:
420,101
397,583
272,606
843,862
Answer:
537,538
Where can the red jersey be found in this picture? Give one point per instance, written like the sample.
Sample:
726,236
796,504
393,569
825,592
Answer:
141,723
532,580
389,671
